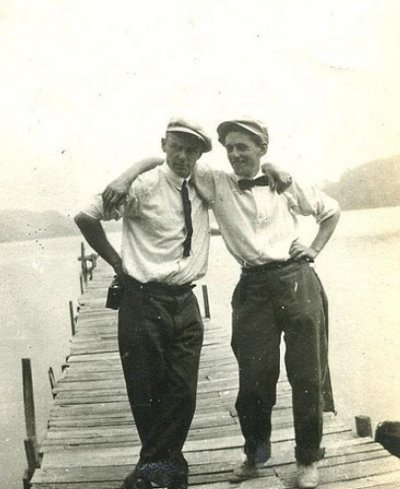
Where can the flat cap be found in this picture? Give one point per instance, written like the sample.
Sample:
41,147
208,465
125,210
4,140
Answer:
184,125
252,126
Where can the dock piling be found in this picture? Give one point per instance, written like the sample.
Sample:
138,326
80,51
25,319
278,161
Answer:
31,456
72,318
81,284
88,264
31,450
206,302
363,426
52,380
82,259
29,403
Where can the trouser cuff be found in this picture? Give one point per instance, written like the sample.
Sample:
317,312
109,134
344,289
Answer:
307,456
258,453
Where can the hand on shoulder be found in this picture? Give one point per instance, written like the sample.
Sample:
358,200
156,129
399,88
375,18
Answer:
278,179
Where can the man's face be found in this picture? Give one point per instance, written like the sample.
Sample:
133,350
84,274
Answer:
243,153
182,152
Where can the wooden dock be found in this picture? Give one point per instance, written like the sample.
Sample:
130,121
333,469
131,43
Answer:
91,441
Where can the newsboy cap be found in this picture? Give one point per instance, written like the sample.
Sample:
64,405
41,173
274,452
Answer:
252,126
183,125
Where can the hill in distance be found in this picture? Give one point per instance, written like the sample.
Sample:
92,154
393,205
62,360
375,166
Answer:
21,225
373,184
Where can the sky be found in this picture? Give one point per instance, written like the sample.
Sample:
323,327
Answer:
88,87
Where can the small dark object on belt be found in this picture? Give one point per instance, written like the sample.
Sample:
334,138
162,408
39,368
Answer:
115,293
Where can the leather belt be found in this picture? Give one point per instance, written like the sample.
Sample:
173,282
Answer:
157,287
273,265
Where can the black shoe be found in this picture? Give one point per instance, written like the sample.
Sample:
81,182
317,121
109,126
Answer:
182,485
132,481
179,483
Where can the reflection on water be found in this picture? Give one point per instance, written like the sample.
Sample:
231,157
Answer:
359,268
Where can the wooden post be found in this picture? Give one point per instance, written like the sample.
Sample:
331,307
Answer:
52,380
25,481
93,263
72,318
31,456
83,263
31,450
29,403
206,303
81,284
363,426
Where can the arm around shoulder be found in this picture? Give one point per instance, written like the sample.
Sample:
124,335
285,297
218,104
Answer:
278,179
115,192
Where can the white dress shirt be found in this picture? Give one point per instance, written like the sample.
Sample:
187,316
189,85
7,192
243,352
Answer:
153,229
259,225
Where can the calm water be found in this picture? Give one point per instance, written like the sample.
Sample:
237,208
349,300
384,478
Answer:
359,268
38,279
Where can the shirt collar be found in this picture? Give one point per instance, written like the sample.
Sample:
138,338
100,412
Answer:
173,178
236,178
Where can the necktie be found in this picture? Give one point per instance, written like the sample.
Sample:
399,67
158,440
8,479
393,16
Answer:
187,210
248,184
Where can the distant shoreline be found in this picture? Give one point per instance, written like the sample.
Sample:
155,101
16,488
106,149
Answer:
72,230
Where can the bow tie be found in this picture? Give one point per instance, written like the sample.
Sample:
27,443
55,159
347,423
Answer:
246,184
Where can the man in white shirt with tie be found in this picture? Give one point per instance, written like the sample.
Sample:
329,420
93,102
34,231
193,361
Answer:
278,293
165,244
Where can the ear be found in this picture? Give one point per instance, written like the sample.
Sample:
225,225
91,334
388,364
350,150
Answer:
163,143
263,149
201,151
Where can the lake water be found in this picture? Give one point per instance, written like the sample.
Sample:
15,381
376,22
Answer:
359,268
38,279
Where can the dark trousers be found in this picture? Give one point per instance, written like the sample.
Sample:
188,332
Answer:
267,303
160,336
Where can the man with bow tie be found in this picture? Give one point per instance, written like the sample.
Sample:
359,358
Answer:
278,293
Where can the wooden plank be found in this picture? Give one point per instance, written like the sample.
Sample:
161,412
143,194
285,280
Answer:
271,482
282,452
352,470
355,468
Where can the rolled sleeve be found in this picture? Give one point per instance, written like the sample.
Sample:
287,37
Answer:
95,209
308,200
205,182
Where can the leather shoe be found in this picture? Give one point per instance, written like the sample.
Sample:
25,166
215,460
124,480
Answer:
179,485
132,481
307,476
180,481
244,471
